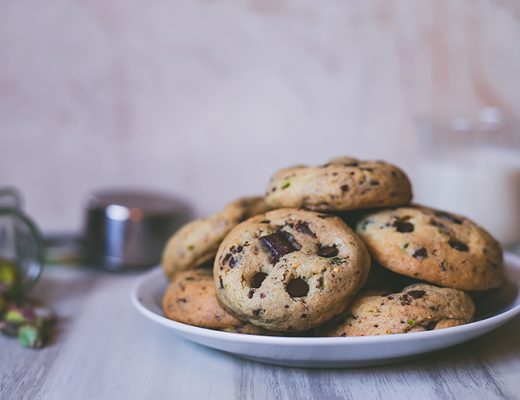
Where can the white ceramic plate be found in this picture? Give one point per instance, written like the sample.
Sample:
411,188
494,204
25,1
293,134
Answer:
500,306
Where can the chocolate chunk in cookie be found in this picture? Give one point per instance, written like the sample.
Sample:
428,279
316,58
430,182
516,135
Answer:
417,308
191,299
278,244
297,264
433,246
197,242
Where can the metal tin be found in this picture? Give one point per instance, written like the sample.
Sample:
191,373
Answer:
127,230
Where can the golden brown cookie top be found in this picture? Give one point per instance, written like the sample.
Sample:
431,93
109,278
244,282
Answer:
434,246
290,270
342,184
419,307
190,298
197,242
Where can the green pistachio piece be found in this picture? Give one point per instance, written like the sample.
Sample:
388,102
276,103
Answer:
337,260
14,316
31,336
8,272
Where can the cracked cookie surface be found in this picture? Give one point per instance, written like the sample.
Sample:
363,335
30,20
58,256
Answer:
419,307
341,184
434,246
197,242
289,270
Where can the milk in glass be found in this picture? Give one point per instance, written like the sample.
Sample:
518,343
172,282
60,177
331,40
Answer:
482,183
472,167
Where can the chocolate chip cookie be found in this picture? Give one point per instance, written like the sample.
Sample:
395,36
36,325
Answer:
191,299
341,184
289,270
418,307
434,246
197,242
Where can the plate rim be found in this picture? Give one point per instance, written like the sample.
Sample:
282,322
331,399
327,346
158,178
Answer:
493,321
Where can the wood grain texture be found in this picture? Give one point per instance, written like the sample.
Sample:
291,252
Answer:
106,350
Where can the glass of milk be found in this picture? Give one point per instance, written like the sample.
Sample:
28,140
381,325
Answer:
471,166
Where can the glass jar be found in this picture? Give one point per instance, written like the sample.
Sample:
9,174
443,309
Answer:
20,240
471,166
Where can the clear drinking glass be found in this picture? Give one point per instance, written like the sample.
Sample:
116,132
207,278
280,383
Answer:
471,165
20,239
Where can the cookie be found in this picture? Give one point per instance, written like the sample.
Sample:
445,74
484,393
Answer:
342,184
289,270
197,242
190,298
433,246
418,307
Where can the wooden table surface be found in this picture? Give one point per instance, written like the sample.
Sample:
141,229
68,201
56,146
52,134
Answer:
106,350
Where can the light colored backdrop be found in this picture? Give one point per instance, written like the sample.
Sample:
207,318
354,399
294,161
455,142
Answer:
206,98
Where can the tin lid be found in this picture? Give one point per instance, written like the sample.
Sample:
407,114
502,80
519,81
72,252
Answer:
148,203
127,229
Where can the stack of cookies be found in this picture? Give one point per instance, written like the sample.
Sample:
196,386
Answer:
333,250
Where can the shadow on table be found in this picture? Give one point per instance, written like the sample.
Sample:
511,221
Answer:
60,284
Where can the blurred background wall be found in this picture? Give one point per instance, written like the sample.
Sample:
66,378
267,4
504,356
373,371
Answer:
206,98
